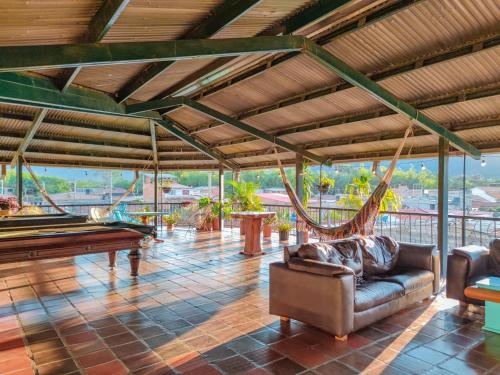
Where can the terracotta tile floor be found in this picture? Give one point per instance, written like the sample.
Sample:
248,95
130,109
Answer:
199,307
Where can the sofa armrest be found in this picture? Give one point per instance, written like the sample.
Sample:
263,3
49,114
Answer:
476,258
318,268
416,256
324,302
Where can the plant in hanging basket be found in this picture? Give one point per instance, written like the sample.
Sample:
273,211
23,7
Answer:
166,185
326,184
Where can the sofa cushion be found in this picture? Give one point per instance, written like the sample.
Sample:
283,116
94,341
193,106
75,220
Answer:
345,252
380,254
374,293
410,280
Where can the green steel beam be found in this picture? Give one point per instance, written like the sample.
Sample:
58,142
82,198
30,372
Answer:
309,15
30,134
154,105
250,129
170,126
316,12
490,41
223,16
19,58
100,24
42,93
332,122
356,24
358,79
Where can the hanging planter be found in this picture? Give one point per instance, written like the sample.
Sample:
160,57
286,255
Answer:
166,186
325,185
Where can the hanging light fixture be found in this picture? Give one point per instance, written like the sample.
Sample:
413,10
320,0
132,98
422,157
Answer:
483,162
422,166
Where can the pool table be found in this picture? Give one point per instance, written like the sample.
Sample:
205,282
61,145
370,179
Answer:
13,221
70,240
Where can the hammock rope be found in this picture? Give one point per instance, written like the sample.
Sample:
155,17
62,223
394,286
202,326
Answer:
46,196
44,193
363,222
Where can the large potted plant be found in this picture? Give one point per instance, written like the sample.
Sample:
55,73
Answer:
267,226
215,215
8,205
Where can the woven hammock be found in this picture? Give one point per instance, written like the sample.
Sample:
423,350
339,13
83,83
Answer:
46,196
363,223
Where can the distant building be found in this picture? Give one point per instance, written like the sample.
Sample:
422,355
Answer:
169,190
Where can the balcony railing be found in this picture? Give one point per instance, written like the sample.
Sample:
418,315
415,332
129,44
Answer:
402,225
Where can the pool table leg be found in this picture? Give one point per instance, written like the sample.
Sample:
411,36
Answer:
134,257
112,259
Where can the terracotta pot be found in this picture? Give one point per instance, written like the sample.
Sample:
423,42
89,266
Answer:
4,212
215,223
267,230
242,227
170,227
144,220
284,235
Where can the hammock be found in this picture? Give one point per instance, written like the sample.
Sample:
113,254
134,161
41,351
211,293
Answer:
56,207
363,222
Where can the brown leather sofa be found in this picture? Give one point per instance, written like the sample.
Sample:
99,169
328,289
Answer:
469,264
325,294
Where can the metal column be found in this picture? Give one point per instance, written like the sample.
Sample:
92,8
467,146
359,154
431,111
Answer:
221,198
155,187
443,204
299,189
19,179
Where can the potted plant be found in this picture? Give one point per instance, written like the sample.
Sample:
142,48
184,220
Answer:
206,216
267,227
325,184
171,220
284,230
244,198
8,205
215,215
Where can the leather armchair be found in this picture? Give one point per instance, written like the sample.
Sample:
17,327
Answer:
466,266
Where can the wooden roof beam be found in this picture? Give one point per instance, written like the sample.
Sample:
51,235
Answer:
222,17
100,24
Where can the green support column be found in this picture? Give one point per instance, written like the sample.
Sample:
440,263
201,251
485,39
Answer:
155,208
19,180
221,197
299,189
442,230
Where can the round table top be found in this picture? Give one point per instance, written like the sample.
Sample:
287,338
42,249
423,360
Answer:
252,214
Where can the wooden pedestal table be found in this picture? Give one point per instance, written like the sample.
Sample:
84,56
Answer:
488,290
253,224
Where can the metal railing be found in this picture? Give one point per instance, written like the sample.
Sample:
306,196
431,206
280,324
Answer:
403,225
